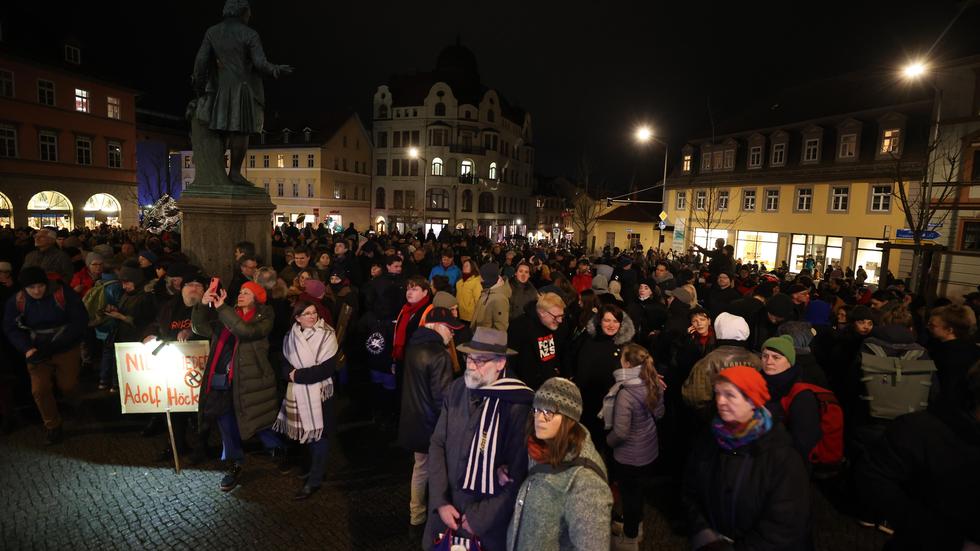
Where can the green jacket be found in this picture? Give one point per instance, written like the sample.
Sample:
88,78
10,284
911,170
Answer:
567,510
253,386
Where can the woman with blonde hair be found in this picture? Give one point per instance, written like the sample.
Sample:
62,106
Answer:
629,411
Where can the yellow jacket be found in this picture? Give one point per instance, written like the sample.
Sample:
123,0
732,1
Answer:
467,293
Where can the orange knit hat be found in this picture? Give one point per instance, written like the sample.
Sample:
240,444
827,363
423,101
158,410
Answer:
257,290
749,381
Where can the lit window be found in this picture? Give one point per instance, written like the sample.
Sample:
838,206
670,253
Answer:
755,156
722,200
804,199
890,140
680,202
848,146
839,198
881,198
811,150
187,161
466,168
687,163
115,154
48,144
748,200
81,100
493,171
113,110
717,159
772,199
280,160
45,92
83,150
700,198
778,154
437,167
8,141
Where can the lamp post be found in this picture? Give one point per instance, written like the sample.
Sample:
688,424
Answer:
644,135
414,154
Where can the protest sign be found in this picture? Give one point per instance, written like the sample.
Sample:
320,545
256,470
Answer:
170,379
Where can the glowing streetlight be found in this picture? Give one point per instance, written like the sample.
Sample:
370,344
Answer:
914,70
643,134
413,152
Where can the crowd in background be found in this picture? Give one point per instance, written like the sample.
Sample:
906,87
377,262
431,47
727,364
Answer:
540,388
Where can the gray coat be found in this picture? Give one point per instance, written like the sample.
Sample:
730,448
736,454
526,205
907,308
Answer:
493,308
633,437
520,296
448,452
570,509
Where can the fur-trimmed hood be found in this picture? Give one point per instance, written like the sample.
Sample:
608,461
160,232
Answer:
625,334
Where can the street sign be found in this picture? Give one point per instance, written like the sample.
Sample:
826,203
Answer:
661,225
908,234
663,216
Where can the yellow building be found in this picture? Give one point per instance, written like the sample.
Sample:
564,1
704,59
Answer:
805,185
321,173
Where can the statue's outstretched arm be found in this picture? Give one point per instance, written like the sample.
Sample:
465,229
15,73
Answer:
260,62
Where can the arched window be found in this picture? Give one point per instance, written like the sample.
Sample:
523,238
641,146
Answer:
379,198
6,212
491,116
101,208
466,167
49,208
486,202
437,199
467,200
440,109
437,167
493,171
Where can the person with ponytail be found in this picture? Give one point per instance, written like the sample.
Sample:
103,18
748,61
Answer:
629,411
746,486
239,388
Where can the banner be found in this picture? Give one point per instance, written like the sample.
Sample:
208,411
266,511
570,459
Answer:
170,379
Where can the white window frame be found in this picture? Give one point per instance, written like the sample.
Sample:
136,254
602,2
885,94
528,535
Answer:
723,200
811,150
847,149
492,172
83,102
705,160
700,199
772,200
438,168
881,198
680,200
749,196
840,202
113,107
729,159
251,161
280,187
47,92
755,156
51,146
111,160
778,157
804,199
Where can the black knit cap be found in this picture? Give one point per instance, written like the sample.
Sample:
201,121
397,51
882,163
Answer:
860,312
31,276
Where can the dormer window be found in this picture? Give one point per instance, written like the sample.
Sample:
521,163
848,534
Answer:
778,154
890,140
811,150
729,158
285,135
705,160
755,156
73,54
307,134
686,164
848,146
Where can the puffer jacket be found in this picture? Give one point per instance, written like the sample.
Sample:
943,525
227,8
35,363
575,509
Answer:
633,437
566,510
698,390
493,308
468,293
256,403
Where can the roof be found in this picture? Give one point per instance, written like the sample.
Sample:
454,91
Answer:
633,212
322,128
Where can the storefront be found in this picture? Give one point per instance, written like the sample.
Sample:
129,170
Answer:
436,225
869,257
49,208
706,238
761,247
825,250
6,212
101,208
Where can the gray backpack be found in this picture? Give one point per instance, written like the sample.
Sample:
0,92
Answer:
895,385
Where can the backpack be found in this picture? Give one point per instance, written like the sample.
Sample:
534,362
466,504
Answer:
895,385
829,451
59,298
96,299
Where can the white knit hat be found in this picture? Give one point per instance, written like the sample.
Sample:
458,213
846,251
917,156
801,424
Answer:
729,327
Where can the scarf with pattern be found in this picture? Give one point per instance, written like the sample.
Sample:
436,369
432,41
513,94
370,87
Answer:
733,438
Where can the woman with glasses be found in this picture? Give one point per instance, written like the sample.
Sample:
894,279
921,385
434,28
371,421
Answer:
565,501
307,413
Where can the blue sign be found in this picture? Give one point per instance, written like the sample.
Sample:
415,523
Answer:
661,225
908,234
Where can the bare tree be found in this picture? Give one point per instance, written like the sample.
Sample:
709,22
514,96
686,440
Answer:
586,208
711,213
155,172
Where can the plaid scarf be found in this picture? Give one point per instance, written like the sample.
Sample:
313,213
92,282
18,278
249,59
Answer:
480,477
301,414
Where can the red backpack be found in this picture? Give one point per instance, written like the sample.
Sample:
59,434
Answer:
829,451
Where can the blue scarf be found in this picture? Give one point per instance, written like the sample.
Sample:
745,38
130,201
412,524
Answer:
734,438
480,477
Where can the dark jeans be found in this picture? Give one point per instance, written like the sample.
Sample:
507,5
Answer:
107,367
318,461
631,480
231,439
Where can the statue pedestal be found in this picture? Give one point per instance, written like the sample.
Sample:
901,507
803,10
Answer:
212,224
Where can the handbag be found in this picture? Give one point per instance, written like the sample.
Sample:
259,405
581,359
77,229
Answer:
451,542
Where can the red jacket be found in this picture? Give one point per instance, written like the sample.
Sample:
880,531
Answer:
581,282
84,278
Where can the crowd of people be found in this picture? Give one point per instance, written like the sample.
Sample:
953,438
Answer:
538,388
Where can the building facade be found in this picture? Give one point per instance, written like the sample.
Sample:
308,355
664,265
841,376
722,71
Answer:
450,152
312,174
825,186
67,145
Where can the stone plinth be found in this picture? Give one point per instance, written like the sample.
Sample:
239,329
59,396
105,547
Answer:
211,226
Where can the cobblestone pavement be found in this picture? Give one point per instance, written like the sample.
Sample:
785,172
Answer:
103,489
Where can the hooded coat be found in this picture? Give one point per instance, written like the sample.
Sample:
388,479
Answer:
493,308
597,360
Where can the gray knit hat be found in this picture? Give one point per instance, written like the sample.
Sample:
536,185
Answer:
681,294
93,257
443,299
559,395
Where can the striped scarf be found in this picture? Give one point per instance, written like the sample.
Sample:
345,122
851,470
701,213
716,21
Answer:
480,477
301,414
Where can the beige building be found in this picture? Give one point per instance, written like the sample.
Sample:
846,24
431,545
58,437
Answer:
319,173
450,152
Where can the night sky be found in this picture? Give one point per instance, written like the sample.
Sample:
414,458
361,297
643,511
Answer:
588,72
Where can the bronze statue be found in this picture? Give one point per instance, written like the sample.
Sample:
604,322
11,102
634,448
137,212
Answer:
227,81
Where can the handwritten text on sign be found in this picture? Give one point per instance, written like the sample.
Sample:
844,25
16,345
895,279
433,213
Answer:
171,379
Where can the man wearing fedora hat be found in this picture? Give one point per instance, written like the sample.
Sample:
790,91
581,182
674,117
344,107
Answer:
481,427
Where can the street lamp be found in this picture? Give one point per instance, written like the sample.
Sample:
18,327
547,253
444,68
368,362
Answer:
914,69
644,135
413,152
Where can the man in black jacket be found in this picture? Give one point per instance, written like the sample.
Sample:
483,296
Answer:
428,374
537,337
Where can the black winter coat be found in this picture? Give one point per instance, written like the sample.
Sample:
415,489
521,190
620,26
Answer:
599,357
953,359
718,300
923,476
539,349
649,315
428,374
758,495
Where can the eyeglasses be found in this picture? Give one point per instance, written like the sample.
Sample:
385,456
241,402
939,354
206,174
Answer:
557,318
547,415
479,362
